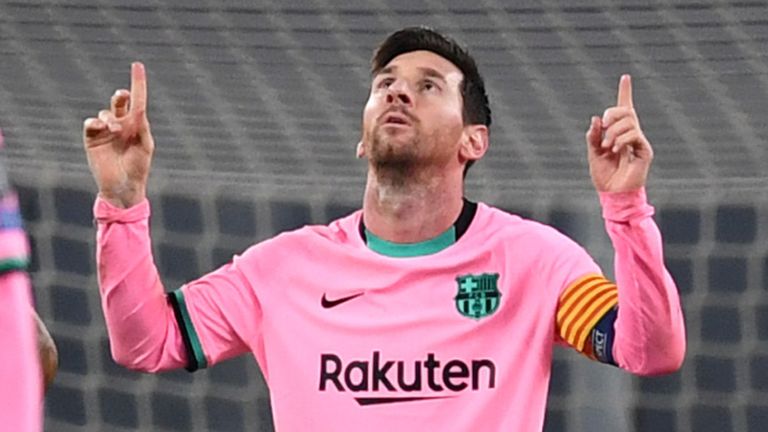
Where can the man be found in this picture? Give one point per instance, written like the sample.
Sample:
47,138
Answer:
21,388
422,311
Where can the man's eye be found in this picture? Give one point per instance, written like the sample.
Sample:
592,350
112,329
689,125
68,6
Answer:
385,83
429,86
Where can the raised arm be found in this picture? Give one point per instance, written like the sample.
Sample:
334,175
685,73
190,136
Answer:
119,145
150,330
649,327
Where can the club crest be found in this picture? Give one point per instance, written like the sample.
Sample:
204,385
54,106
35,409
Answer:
478,295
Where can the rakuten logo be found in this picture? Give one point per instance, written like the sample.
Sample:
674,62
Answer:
399,376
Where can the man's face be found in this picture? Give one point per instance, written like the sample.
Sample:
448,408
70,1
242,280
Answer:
414,111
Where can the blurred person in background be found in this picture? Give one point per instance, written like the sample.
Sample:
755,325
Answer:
421,311
30,360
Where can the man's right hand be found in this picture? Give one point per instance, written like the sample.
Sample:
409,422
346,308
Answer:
119,144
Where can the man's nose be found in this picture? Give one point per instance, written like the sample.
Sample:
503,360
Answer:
399,92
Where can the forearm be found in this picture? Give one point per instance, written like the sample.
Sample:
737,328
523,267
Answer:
650,330
46,349
142,329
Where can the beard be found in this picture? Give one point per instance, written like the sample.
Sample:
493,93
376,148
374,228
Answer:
394,157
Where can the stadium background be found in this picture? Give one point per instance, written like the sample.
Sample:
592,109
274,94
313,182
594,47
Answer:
255,107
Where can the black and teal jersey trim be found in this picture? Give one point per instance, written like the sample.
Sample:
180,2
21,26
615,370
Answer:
195,355
9,265
427,247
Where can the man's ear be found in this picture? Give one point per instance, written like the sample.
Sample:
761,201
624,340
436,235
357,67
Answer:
475,142
360,151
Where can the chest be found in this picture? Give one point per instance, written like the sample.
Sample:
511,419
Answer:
377,305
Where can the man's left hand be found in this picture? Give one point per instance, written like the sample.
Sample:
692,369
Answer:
619,154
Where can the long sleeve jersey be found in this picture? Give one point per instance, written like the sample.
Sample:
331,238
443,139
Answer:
351,339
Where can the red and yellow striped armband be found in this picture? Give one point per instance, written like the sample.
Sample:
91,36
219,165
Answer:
581,306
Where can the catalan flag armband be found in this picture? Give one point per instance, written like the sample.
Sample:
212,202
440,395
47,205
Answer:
586,311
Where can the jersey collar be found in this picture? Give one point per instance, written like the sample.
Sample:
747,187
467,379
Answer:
427,247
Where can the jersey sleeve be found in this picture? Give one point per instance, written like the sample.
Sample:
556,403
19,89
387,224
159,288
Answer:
636,323
219,315
584,299
150,330
650,329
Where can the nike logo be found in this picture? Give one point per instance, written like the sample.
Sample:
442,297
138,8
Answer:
327,304
363,401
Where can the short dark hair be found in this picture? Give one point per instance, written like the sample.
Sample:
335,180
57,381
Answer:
476,109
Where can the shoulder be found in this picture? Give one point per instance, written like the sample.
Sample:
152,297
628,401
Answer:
553,253
337,231
310,237
506,224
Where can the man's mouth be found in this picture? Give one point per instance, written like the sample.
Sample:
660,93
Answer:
396,118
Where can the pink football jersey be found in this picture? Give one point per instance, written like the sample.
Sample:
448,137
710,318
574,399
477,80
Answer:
349,339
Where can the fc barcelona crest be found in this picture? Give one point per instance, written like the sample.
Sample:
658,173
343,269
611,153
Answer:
478,295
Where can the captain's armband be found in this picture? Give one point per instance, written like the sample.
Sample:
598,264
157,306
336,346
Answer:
586,312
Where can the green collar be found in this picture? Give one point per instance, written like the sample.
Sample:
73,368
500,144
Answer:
407,250
428,247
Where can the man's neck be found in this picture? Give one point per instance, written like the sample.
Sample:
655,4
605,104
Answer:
411,210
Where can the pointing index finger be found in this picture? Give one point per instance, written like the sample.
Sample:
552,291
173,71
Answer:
138,88
625,91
